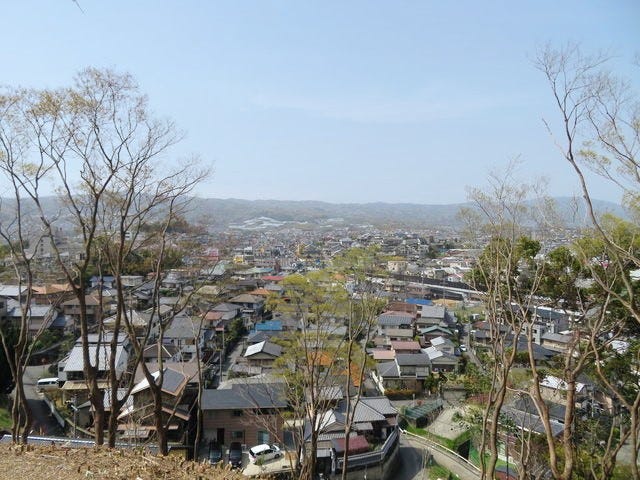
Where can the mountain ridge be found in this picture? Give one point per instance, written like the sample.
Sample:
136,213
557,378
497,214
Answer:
226,211
221,213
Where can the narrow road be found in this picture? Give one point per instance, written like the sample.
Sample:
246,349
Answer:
411,461
443,457
43,422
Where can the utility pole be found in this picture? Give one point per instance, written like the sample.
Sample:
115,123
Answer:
74,406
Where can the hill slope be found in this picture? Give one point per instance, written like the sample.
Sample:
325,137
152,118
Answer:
46,463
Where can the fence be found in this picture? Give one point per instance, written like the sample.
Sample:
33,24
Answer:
54,411
372,458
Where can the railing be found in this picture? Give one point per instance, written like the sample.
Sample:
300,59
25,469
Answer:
371,458
54,411
445,451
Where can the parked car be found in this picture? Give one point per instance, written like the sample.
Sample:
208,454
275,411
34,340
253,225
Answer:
263,453
235,455
463,347
215,453
47,384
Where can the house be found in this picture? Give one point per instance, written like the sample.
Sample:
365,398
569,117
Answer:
394,320
52,294
39,317
187,335
252,305
152,353
262,354
555,389
394,335
274,289
16,292
434,331
402,307
179,392
149,319
373,417
257,337
407,371
381,354
175,278
430,315
375,421
482,334
131,281
229,311
95,307
529,421
405,346
441,361
444,345
71,368
557,342
249,413
270,326
105,281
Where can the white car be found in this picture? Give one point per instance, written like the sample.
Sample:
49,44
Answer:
263,453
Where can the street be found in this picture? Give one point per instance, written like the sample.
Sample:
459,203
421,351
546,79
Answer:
442,456
411,461
43,422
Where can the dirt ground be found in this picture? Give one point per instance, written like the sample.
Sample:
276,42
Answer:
61,463
445,426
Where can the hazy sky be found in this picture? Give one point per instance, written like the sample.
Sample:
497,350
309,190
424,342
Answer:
341,101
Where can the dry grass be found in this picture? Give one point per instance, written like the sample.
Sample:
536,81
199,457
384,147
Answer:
62,463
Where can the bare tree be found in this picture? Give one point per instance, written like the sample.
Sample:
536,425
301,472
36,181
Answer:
18,234
364,306
506,274
102,129
599,132
313,359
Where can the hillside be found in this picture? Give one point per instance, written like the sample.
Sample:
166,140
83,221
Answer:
220,214
46,463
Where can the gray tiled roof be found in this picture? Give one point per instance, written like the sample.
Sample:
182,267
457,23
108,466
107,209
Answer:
380,404
432,311
264,347
183,327
260,395
419,359
394,320
75,363
388,369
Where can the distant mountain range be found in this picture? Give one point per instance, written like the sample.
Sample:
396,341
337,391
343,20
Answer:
221,214
255,214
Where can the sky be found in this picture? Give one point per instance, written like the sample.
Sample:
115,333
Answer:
334,100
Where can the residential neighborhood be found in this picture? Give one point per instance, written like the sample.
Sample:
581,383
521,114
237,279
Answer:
320,241
219,348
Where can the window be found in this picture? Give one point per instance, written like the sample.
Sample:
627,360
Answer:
263,437
237,435
237,413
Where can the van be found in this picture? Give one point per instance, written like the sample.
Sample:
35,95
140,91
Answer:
262,453
47,384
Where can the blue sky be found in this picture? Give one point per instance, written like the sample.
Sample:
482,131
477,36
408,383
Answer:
340,101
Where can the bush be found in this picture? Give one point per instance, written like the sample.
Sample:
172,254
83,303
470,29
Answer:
399,393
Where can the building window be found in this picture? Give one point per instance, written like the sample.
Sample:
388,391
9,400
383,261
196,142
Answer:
237,435
237,413
263,437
